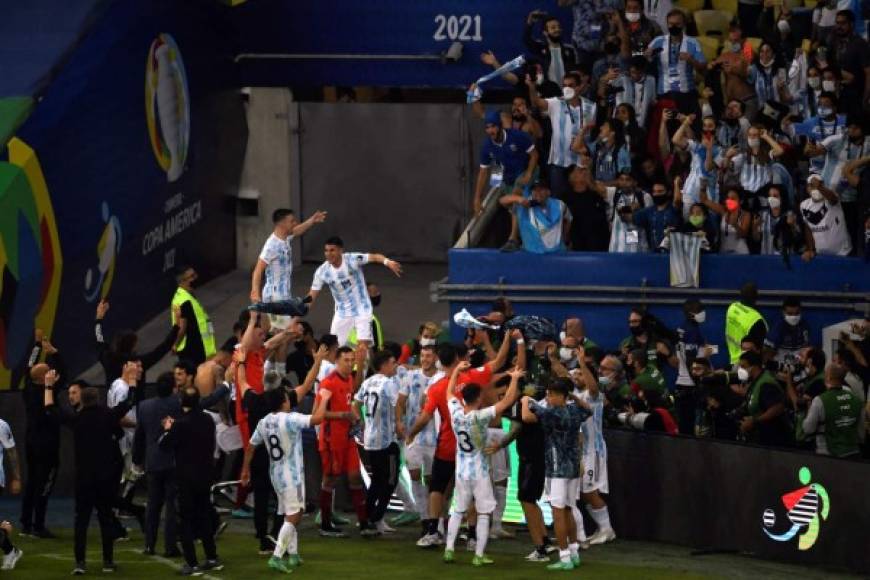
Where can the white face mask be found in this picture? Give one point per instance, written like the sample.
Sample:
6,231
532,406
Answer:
783,26
566,354
829,86
428,342
604,380
753,142
814,82
793,320
774,202
816,195
632,16
701,317
766,64
562,336
539,80
742,374
567,93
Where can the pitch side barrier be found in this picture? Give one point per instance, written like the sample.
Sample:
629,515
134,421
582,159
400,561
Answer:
718,496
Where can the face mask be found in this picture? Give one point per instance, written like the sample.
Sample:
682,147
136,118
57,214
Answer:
766,64
675,30
816,195
731,122
562,336
701,317
829,86
611,48
636,330
660,199
825,111
519,118
783,26
428,342
376,300
539,80
567,93
774,202
753,142
742,375
604,380
632,16
736,47
814,82
555,38
566,354
732,204
793,320
696,220
708,134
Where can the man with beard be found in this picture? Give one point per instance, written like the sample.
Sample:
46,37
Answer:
556,56
589,230
853,57
822,214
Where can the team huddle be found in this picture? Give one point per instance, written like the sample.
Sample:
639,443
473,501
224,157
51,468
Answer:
440,413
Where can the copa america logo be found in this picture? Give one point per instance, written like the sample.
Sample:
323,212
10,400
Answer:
805,508
167,105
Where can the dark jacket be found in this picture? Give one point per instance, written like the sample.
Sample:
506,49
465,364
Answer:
541,51
192,440
149,428
113,362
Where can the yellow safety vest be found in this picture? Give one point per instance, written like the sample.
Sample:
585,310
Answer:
739,320
202,321
377,339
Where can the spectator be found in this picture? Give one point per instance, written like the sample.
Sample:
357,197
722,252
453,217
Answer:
852,55
706,159
699,222
836,417
734,221
766,422
626,194
659,217
608,153
646,376
589,228
591,24
638,31
825,123
734,62
573,329
636,88
778,229
753,165
790,334
556,56
645,335
690,345
743,320
822,214
614,58
733,127
612,379
768,77
635,137
543,220
625,236
748,13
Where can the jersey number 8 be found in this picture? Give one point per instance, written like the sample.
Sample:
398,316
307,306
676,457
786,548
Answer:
276,452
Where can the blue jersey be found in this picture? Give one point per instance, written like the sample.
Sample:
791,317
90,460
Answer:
282,435
512,153
379,394
561,427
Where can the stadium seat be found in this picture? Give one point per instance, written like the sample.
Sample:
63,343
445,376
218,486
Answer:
729,6
712,23
709,46
792,4
689,6
755,42
810,4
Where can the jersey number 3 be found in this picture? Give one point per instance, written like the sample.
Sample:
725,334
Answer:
465,441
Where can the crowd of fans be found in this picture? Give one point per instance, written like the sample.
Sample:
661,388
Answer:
751,135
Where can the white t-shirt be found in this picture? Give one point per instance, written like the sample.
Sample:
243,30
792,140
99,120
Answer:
278,255
282,435
7,441
828,225
347,284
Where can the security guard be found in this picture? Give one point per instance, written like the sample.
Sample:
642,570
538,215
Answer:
836,417
742,320
196,343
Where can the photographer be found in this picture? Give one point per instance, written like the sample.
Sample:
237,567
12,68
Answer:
766,422
723,406
807,383
650,335
647,412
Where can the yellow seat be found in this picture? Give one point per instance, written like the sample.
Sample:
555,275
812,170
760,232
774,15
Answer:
712,23
729,6
755,43
811,4
689,6
709,46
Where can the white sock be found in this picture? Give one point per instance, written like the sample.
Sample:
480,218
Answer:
287,529
601,517
500,493
441,525
453,530
421,498
565,556
578,520
293,544
408,503
574,548
482,530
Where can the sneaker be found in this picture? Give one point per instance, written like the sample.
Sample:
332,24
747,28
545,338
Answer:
279,565
109,568
384,528
550,548
501,534
560,565
212,565
575,560
44,534
187,570
481,561
332,532
10,559
221,529
537,556
242,514
428,541
294,561
79,570
602,537
339,520
123,535
448,557
405,518
369,531
510,246
25,531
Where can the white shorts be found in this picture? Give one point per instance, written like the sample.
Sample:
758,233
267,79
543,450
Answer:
500,466
419,457
562,492
280,321
341,327
478,491
594,473
291,500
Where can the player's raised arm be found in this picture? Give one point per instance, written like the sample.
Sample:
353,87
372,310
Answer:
393,265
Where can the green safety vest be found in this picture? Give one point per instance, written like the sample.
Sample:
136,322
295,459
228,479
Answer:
377,338
739,320
755,391
842,410
202,321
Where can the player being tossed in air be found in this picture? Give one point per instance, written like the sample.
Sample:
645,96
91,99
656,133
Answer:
473,483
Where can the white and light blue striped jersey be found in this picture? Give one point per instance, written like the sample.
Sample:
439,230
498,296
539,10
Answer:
676,75
753,175
7,441
379,394
685,260
117,394
347,284
593,431
566,122
278,256
627,238
414,384
839,150
765,81
471,431
639,95
692,187
281,433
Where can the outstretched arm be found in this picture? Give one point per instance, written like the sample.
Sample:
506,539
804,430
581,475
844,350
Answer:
510,396
394,266
317,217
